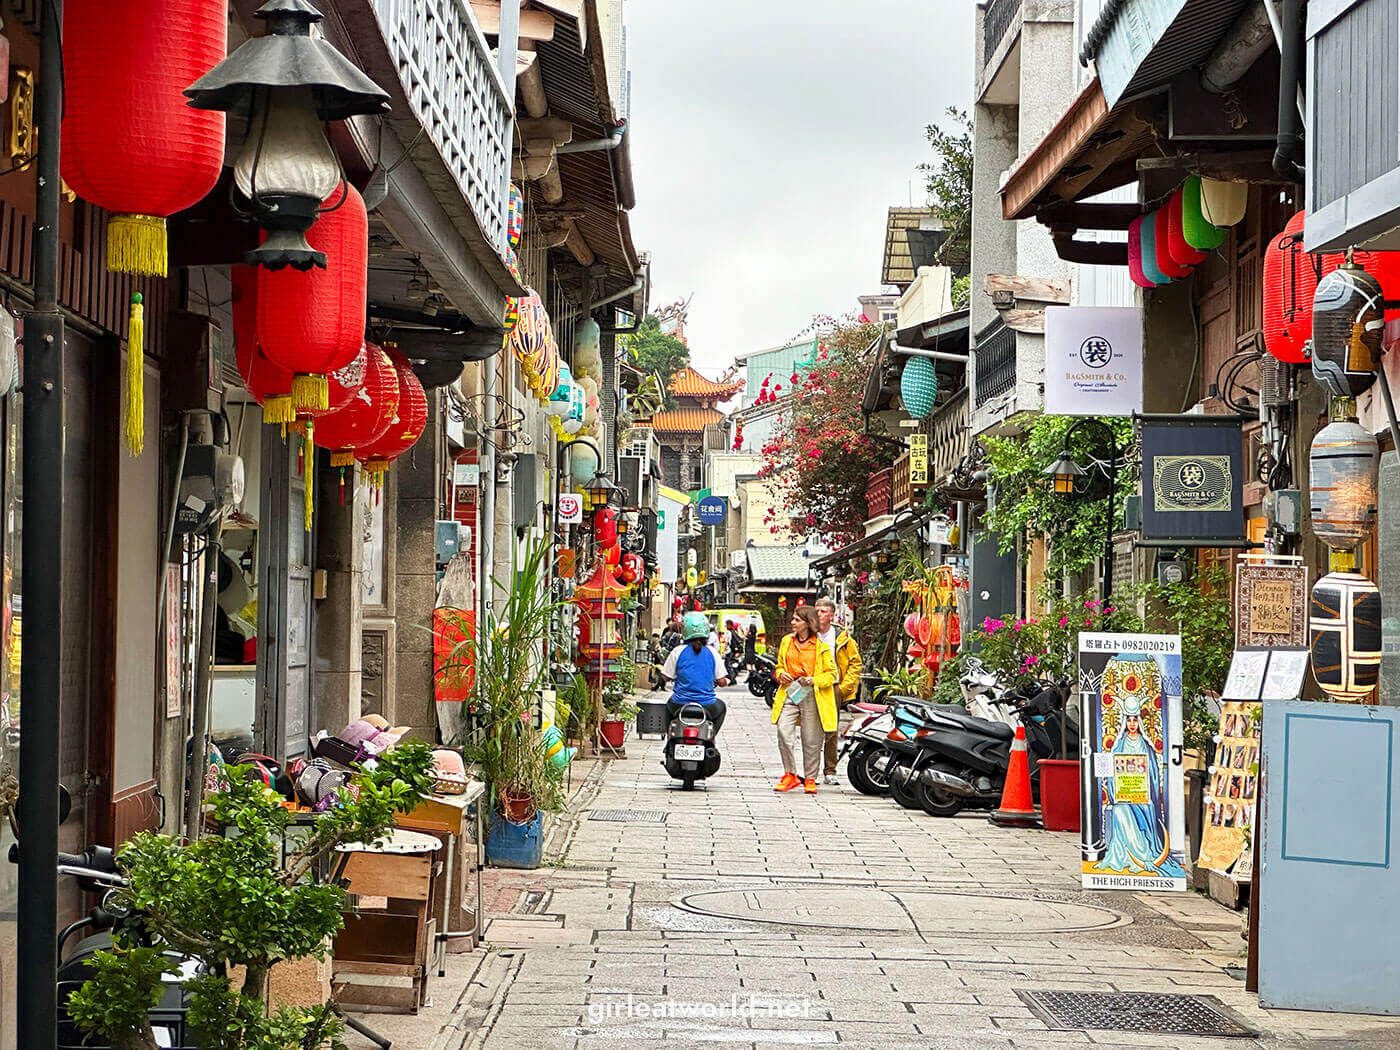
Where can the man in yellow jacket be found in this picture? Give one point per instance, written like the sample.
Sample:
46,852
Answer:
847,657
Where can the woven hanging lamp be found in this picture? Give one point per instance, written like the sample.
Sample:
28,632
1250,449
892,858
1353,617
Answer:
312,322
1343,476
1347,323
130,143
1344,627
918,386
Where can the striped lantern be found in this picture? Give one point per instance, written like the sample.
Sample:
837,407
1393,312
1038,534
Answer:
1162,240
1343,472
130,143
918,386
407,425
312,322
1345,629
1347,323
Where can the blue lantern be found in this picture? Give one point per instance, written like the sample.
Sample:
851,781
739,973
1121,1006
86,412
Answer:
918,386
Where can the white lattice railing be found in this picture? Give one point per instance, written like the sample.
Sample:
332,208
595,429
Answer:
457,96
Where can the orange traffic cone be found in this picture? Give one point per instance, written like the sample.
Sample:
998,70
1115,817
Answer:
1017,810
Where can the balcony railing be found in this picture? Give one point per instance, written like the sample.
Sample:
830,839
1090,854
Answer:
879,494
995,364
951,437
457,96
997,18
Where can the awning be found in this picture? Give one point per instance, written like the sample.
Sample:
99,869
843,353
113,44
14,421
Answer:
870,543
787,588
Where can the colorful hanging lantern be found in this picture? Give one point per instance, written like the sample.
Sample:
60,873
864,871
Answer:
313,322
269,383
632,568
368,415
130,143
1345,629
605,527
407,426
1347,324
918,386
1195,229
1181,251
1343,472
1290,279
1135,271
1223,203
1161,241
1148,233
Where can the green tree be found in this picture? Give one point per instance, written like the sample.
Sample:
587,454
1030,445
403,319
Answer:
653,350
949,183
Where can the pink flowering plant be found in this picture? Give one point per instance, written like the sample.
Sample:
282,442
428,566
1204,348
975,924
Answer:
1045,644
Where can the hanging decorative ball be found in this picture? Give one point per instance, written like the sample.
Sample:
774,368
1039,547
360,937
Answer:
1345,629
583,461
405,429
1199,233
1135,271
368,415
1290,279
1347,326
1161,240
918,386
1344,468
130,143
312,322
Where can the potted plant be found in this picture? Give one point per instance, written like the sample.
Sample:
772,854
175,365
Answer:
618,708
508,656
246,901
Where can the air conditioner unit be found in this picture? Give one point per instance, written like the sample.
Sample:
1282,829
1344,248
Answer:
738,559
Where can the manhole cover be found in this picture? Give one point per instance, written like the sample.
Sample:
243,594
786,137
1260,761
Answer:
630,816
1134,1012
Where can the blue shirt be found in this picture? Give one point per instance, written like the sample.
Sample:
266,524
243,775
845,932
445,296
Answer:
695,675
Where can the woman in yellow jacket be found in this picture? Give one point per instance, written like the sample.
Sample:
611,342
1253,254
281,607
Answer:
806,699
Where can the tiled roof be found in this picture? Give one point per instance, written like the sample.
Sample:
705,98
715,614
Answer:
685,420
777,564
690,383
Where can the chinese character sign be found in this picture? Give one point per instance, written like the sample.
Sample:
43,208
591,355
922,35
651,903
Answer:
918,459
1093,360
1133,800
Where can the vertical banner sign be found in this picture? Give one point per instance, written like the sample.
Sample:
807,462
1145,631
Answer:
918,459
172,641
1192,478
1093,360
1132,791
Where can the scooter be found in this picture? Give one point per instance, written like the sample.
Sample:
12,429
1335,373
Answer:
763,679
867,739
690,753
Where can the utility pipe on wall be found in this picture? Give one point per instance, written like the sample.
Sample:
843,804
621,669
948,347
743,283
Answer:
1284,163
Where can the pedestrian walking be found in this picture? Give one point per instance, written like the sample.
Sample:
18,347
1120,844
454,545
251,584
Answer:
751,648
846,655
696,669
656,656
805,703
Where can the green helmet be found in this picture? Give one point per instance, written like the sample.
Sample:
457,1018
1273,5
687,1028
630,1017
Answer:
694,625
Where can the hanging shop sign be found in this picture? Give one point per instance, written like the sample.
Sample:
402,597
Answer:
1093,360
1192,478
570,508
1271,602
1132,793
713,510
918,459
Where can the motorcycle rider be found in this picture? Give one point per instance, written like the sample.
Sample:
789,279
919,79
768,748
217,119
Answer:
848,665
695,668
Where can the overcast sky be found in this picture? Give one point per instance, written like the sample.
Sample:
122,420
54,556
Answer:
768,139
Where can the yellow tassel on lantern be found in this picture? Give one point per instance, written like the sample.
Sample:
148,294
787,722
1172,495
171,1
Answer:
309,473
342,459
134,422
279,409
311,391
136,244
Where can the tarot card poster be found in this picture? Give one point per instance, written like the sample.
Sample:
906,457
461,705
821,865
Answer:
1234,783
1132,791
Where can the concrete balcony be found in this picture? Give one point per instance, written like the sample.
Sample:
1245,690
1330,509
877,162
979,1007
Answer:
999,68
951,437
1008,377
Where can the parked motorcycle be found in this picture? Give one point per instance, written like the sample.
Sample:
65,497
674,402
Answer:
941,761
690,753
867,739
763,678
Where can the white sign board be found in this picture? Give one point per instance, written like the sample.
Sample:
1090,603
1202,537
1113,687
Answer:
1093,360
570,508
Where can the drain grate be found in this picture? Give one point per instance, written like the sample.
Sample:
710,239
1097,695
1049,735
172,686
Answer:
1135,1012
630,816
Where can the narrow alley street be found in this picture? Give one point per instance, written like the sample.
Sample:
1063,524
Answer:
834,920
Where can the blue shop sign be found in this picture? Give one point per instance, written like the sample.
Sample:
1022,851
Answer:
712,510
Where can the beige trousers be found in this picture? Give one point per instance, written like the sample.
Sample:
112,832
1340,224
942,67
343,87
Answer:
806,721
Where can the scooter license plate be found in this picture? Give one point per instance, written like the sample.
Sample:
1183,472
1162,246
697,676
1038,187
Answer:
690,752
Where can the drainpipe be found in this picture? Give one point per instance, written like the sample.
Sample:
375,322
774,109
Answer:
42,573
936,355
613,140
1287,92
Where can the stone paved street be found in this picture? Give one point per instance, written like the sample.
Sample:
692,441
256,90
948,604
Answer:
838,919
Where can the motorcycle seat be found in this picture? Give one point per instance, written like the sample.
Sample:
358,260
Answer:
973,724
870,709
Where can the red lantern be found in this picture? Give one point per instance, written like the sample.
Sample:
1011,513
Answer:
406,427
368,415
1181,252
1384,267
632,568
1161,243
312,322
130,143
605,527
1290,279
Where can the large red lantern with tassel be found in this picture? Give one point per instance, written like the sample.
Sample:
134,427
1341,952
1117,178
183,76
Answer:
407,426
130,143
368,415
312,322
269,383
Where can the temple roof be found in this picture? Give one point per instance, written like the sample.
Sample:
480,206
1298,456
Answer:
684,420
690,383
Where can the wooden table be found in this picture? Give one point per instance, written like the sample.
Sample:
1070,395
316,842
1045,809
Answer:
457,822
388,937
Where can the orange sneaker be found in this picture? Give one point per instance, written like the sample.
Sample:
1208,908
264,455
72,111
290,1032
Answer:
789,781
810,787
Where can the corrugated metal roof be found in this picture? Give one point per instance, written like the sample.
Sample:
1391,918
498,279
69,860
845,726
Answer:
777,564
898,268
690,383
685,420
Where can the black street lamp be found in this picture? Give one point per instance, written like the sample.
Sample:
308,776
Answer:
1067,477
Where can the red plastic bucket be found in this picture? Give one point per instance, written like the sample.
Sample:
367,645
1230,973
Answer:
1059,794
614,732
